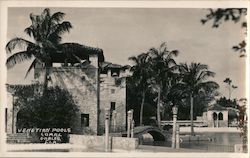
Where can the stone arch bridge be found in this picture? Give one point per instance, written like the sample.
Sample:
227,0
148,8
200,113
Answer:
155,132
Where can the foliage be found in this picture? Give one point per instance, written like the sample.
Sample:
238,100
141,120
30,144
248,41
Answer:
55,108
164,67
45,30
224,102
228,81
194,81
141,77
229,14
158,83
243,122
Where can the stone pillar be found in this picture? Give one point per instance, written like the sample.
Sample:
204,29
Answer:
132,123
14,115
109,73
129,123
217,120
107,117
132,129
114,121
175,109
177,136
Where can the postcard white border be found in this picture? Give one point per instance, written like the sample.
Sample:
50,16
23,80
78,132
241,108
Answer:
102,4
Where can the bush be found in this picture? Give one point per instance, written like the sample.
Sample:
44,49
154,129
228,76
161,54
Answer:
55,108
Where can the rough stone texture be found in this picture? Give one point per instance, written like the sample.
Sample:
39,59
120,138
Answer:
87,140
124,143
99,141
82,84
112,92
9,112
91,91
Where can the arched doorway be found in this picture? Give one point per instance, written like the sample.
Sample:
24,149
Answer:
220,119
22,120
215,119
220,116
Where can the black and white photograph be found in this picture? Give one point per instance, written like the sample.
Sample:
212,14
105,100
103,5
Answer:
124,79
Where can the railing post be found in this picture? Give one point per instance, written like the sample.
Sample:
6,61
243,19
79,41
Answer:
129,123
177,136
132,123
175,110
132,129
107,117
114,121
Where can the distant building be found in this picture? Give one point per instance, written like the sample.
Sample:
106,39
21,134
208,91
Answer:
93,83
216,116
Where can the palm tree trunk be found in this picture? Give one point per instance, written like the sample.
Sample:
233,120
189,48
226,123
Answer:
48,65
158,108
229,95
192,113
142,106
45,85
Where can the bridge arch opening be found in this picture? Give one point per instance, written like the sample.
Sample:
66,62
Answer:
157,136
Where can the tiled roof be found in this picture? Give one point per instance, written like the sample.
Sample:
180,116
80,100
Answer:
81,51
216,107
109,65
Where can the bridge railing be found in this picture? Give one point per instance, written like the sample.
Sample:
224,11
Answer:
199,123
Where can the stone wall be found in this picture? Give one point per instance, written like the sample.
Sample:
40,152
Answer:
92,93
220,123
123,143
113,89
82,84
9,112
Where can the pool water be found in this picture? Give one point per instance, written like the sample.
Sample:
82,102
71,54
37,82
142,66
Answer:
219,142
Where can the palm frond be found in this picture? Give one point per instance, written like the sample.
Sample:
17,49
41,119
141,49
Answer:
175,53
17,42
164,44
18,57
184,68
48,44
77,58
153,52
133,58
63,27
29,31
205,74
209,85
46,12
58,16
31,67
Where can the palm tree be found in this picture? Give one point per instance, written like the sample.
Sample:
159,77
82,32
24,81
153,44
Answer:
229,81
45,32
164,65
141,76
194,80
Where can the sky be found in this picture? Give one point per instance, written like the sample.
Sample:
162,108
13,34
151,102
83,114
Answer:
125,32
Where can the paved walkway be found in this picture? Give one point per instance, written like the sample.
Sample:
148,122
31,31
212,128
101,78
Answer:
210,129
68,147
148,148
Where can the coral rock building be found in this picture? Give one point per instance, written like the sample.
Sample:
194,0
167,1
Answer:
94,85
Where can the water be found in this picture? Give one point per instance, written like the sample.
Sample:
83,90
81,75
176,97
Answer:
219,142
